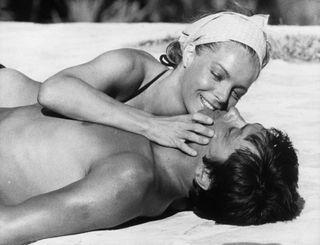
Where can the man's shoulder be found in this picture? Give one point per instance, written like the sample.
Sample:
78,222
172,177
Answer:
131,167
139,166
140,176
131,173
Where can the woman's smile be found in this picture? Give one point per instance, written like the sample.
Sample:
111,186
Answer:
206,103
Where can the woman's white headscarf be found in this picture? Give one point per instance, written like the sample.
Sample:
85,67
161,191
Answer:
226,26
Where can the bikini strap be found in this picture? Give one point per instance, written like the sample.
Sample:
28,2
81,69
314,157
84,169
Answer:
143,88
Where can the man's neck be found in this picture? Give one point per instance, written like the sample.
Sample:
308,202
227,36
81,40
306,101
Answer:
176,169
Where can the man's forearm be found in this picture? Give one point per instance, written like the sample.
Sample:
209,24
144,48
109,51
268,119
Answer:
39,218
94,202
7,234
19,225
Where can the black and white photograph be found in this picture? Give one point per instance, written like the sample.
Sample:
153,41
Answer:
160,122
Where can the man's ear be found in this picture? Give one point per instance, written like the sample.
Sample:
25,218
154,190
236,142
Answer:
188,55
202,177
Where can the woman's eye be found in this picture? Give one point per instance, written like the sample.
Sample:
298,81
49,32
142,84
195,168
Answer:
216,76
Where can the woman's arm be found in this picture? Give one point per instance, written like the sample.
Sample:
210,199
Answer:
94,92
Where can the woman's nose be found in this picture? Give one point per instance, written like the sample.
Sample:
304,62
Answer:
222,94
233,116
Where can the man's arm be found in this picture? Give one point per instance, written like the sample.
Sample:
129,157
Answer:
112,193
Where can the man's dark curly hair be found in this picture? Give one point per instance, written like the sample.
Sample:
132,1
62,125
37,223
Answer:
250,188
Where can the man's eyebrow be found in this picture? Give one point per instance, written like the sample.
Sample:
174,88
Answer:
261,133
243,128
243,88
228,131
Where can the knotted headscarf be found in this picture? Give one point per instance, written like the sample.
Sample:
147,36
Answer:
226,26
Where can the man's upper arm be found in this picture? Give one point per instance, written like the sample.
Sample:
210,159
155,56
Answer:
112,193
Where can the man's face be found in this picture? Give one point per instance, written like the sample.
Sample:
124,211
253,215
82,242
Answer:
230,133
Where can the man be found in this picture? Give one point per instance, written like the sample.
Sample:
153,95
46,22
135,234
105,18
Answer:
61,176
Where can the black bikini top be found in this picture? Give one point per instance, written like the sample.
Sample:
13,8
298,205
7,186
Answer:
143,88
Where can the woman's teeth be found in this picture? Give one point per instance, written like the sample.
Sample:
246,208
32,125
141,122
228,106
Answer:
206,103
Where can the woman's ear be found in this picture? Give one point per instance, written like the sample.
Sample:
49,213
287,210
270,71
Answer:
188,54
202,177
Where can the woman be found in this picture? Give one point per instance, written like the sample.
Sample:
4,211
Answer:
215,60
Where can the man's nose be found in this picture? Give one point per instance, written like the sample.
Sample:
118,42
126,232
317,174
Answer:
235,118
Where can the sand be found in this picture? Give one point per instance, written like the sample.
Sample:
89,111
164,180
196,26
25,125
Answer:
286,96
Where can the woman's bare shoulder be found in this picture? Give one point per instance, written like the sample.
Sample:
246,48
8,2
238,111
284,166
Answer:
133,59
120,70
137,61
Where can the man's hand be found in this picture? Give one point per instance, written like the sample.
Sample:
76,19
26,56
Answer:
176,131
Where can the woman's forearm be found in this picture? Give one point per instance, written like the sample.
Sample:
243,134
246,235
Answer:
76,99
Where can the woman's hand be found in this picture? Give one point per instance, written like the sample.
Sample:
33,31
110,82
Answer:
176,131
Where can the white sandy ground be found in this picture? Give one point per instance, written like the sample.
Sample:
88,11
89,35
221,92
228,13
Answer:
287,96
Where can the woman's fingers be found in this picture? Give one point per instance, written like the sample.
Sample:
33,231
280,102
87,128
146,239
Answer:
202,118
196,138
201,129
186,149
179,130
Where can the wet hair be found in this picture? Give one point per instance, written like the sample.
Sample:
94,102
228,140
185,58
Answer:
250,188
